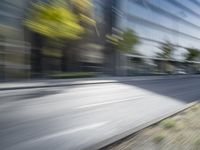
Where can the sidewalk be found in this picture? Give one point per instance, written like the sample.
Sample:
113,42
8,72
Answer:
82,81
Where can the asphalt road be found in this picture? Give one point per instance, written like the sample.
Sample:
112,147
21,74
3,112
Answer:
79,117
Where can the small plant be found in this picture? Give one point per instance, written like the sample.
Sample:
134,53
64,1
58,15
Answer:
195,108
180,126
158,138
197,144
168,123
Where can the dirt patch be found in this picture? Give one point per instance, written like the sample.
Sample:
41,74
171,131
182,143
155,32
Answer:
180,132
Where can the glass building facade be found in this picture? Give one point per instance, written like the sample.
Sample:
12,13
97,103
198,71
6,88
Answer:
157,21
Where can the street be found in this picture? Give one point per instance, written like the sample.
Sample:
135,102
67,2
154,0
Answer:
81,116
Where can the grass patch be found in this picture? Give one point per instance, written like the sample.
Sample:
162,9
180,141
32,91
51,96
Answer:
195,108
66,75
197,144
183,134
158,138
168,123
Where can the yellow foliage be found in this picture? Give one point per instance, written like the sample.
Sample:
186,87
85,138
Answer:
87,20
82,5
84,8
54,21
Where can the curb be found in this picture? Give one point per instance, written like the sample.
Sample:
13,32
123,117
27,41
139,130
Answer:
46,86
108,142
99,81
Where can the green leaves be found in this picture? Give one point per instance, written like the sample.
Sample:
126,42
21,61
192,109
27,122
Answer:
54,21
61,19
129,39
167,50
192,54
125,41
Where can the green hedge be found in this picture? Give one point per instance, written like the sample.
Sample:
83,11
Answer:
66,75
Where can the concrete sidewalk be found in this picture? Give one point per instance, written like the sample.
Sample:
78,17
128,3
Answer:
82,81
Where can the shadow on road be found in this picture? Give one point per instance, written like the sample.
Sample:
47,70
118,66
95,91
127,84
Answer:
183,89
28,95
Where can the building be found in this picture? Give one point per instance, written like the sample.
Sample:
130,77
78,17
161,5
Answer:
155,22
21,51
14,51
158,21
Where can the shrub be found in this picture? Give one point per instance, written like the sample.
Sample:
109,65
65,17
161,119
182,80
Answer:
158,138
168,123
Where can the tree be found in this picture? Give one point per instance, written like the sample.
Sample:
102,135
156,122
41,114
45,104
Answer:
61,20
125,41
54,21
192,54
167,50
129,40
83,9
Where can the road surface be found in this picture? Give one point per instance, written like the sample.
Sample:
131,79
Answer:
79,117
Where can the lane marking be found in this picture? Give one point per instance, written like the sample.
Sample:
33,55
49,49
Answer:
109,102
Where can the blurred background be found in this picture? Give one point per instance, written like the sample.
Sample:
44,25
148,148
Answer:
87,38
156,40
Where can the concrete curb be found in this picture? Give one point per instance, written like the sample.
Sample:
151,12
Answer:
117,138
88,81
51,85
